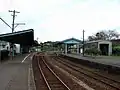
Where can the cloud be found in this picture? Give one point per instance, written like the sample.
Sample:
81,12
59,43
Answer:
61,19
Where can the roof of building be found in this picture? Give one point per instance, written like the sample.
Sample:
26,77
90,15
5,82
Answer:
117,41
96,41
25,37
71,41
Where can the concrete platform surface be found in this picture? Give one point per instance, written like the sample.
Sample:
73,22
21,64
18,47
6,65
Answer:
14,74
108,60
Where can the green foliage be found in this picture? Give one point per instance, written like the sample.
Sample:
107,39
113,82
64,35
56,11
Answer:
116,50
96,52
93,51
117,47
88,51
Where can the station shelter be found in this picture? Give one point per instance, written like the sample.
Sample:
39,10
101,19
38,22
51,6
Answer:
24,38
72,45
103,45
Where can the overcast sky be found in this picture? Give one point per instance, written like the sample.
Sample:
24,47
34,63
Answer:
57,20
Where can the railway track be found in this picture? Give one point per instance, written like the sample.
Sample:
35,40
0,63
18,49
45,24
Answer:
51,80
103,79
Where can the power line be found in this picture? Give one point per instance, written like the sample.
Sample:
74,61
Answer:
6,23
13,24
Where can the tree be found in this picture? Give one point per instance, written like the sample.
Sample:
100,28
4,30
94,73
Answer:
112,34
91,38
36,42
104,35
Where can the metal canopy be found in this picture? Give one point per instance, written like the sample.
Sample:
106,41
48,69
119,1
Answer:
71,41
25,37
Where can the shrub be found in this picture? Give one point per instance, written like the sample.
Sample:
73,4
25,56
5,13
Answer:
87,51
93,51
96,52
116,50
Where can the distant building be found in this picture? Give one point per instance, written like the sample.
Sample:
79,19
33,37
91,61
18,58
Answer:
103,45
71,45
6,46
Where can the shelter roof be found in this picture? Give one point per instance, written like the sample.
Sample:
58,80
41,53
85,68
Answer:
71,41
25,37
95,41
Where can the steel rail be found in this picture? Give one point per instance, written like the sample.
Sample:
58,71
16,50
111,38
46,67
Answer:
94,72
48,86
91,76
47,83
55,74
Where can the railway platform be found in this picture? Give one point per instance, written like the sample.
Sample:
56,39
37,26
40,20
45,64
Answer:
17,74
106,60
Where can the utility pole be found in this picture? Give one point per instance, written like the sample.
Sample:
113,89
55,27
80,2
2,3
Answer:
83,43
13,18
13,23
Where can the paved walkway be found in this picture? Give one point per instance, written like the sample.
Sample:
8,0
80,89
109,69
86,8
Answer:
108,60
14,74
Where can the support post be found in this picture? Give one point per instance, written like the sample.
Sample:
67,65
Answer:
77,48
83,43
65,48
0,56
110,49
